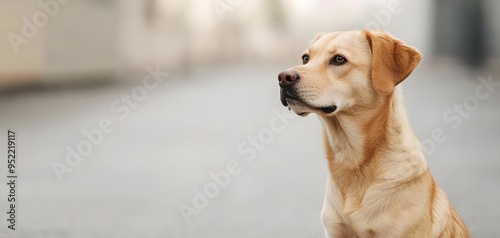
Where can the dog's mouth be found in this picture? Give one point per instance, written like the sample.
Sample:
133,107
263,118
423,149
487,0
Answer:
301,108
329,109
287,95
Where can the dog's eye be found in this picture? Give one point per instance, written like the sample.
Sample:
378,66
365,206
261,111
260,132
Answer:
338,60
305,59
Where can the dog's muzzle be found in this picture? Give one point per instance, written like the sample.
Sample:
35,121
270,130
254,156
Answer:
286,81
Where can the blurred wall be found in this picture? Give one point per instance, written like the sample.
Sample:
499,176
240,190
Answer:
492,20
51,40
91,38
28,62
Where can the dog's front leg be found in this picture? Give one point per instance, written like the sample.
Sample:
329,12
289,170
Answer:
334,227
333,221
339,230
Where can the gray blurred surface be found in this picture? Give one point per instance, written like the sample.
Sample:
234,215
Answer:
132,184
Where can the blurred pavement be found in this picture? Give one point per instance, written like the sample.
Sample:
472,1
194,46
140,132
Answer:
132,184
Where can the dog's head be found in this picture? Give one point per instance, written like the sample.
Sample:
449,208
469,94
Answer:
345,70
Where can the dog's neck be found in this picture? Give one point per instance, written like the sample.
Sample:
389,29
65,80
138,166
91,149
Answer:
355,139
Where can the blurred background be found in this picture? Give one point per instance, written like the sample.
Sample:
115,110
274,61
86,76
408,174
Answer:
68,65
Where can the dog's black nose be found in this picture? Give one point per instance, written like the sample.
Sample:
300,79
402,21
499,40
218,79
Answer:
288,77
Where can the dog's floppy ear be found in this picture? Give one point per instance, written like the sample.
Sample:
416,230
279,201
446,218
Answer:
392,61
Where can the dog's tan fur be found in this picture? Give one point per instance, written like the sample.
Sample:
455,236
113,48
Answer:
379,183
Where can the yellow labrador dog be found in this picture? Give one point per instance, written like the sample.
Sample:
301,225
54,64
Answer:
379,183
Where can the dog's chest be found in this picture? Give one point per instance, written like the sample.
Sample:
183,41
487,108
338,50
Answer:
352,191
347,195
